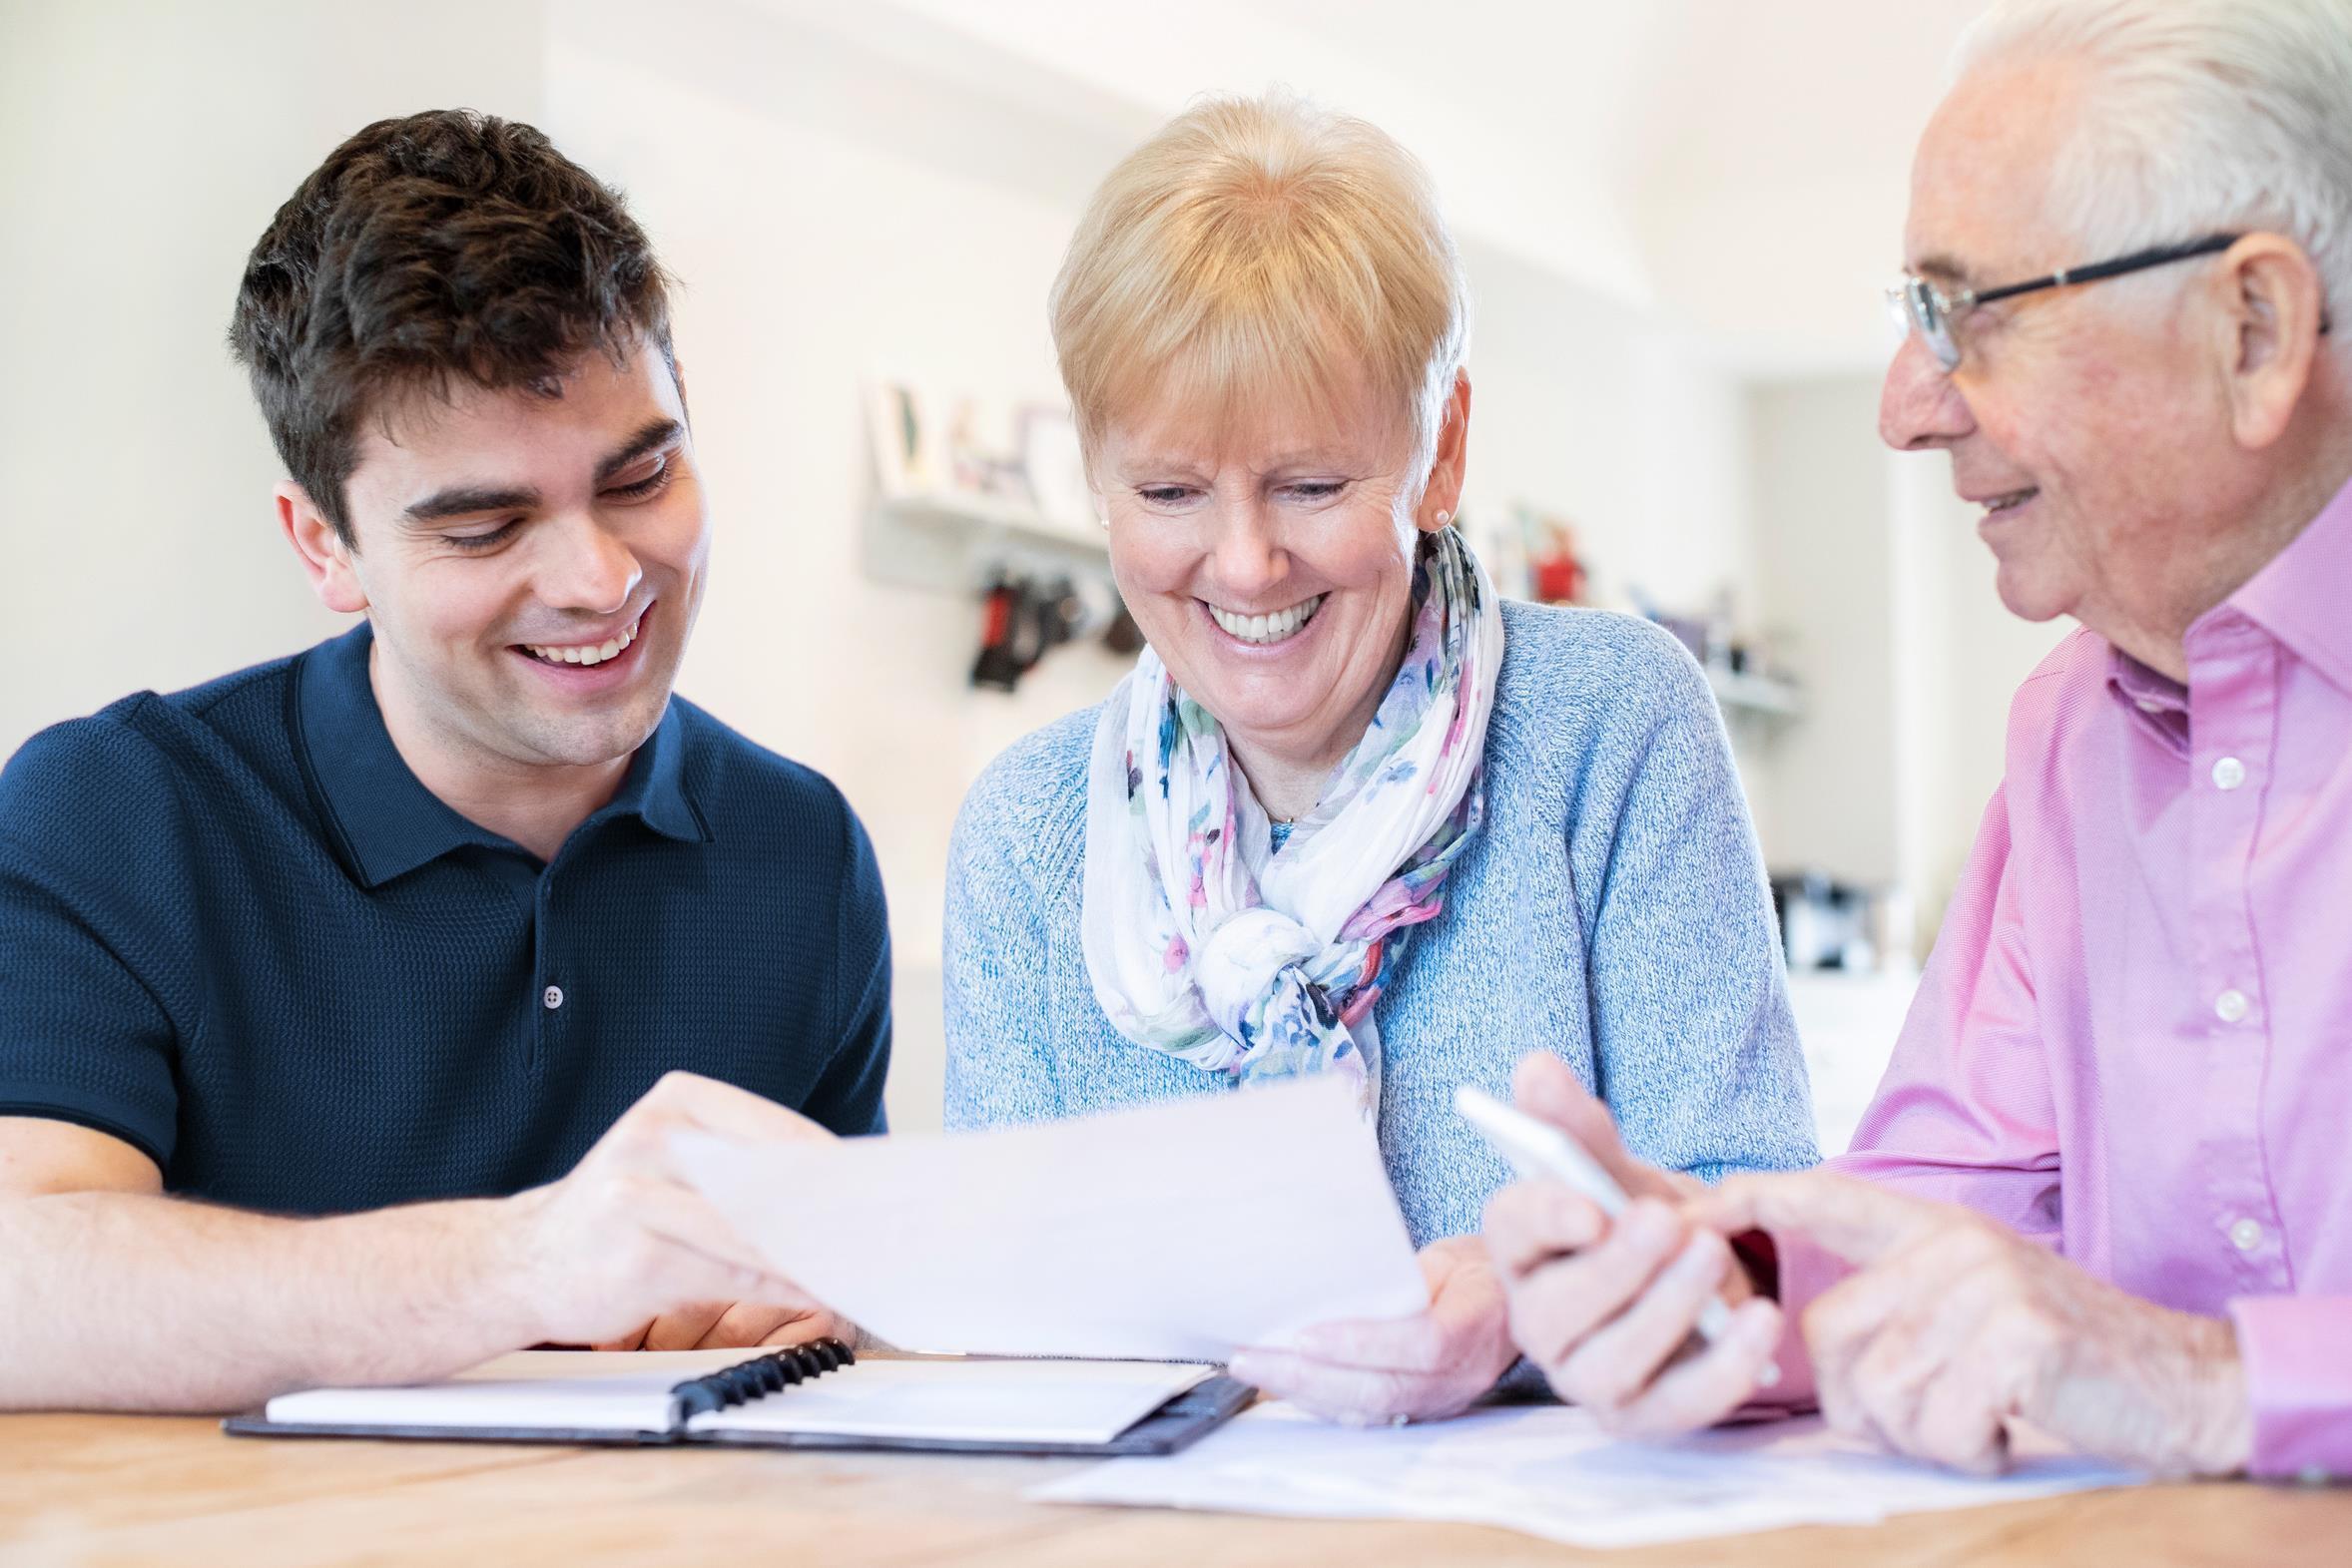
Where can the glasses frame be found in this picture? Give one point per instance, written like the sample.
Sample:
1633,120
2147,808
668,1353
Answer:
1920,306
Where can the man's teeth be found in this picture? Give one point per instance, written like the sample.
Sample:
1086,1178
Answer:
2001,503
590,653
1266,627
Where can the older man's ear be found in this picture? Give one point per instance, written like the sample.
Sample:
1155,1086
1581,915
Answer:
2272,313
1441,498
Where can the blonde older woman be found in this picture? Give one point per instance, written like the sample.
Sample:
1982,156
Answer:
1352,813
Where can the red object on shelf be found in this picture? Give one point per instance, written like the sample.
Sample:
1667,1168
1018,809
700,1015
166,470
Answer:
1559,579
1554,572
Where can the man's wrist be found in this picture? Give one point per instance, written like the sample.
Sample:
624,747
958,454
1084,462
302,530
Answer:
505,1256
2224,1421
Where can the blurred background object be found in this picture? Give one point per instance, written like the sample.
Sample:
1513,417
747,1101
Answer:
1676,218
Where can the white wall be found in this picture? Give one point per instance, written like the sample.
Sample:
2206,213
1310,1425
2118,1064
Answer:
143,147
1827,581
1600,412
1872,568
1967,655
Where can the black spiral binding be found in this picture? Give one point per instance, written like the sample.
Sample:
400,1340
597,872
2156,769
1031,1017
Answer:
757,1379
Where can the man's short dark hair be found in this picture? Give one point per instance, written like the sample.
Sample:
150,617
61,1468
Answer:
441,246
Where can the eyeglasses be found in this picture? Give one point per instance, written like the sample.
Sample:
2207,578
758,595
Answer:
1918,305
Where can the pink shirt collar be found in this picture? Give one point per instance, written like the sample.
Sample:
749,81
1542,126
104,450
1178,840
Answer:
2300,598
2304,595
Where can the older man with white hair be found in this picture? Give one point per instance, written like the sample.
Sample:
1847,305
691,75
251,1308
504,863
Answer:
2103,1188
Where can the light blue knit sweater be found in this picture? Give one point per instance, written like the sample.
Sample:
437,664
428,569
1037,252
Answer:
1612,909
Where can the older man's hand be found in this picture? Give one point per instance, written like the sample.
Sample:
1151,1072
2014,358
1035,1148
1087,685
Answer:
1423,1367
1956,1326
1607,1308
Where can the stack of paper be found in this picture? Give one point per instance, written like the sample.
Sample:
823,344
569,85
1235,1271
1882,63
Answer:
1551,1471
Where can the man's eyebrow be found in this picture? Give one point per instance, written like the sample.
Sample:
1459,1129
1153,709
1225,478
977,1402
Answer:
1943,269
656,435
464,500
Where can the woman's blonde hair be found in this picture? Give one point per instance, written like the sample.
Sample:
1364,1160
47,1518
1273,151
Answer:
1260,248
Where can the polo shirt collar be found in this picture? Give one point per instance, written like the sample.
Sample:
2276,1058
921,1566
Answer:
2299,597
654,789
391,824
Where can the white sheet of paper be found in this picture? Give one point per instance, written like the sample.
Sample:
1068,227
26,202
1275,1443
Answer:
582,1390
1174,1233
1551,1471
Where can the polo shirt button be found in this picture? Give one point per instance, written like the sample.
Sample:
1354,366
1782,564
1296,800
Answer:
2313,1475
2228,774
553,997
2229,1006
2148,705
2245,1235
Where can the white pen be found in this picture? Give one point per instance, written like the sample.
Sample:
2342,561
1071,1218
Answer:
1537,1150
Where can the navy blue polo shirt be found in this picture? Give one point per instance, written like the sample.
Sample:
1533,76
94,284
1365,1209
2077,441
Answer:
236,932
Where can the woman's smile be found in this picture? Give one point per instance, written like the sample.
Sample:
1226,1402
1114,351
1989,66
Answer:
1259,631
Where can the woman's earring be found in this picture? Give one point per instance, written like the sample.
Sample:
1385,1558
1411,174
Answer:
1443,518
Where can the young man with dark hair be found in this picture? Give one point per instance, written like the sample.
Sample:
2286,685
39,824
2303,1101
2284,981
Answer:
347,1003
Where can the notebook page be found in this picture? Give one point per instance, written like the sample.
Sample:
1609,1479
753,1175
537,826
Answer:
1173,1233
570,1391
975,1402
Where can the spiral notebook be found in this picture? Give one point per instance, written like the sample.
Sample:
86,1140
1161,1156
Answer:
812,1397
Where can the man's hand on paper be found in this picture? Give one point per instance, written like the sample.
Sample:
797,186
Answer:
721,1325
622,1250
1608,1307
1424,1367
1954,1325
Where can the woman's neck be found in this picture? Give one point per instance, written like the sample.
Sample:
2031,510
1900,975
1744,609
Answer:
1286,787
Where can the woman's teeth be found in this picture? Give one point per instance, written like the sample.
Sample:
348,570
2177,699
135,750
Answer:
590,653
1266,627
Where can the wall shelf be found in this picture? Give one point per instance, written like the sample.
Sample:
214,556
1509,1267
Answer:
960,542
1757,697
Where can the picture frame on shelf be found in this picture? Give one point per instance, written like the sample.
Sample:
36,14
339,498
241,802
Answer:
906,458
1057,466
981,441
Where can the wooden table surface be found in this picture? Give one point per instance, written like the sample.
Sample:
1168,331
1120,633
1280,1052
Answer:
101,1490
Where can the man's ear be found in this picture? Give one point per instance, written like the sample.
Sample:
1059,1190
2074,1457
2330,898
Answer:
326,558
2272,306
1441,498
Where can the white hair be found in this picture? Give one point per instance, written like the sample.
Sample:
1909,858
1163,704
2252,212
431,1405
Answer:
2201,117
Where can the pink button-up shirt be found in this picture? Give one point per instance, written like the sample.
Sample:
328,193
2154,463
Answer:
2134,1040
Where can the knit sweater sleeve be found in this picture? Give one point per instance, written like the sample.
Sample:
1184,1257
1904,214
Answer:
1016,852
1698,1054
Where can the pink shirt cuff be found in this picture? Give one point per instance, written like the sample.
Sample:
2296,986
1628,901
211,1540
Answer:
2297,1354
1806,1271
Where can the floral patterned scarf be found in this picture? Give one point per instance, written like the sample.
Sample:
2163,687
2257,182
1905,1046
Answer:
1207,940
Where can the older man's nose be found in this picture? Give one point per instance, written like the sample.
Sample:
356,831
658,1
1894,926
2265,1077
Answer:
1918,407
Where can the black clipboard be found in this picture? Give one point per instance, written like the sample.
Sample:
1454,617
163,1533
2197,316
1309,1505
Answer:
1183,1420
